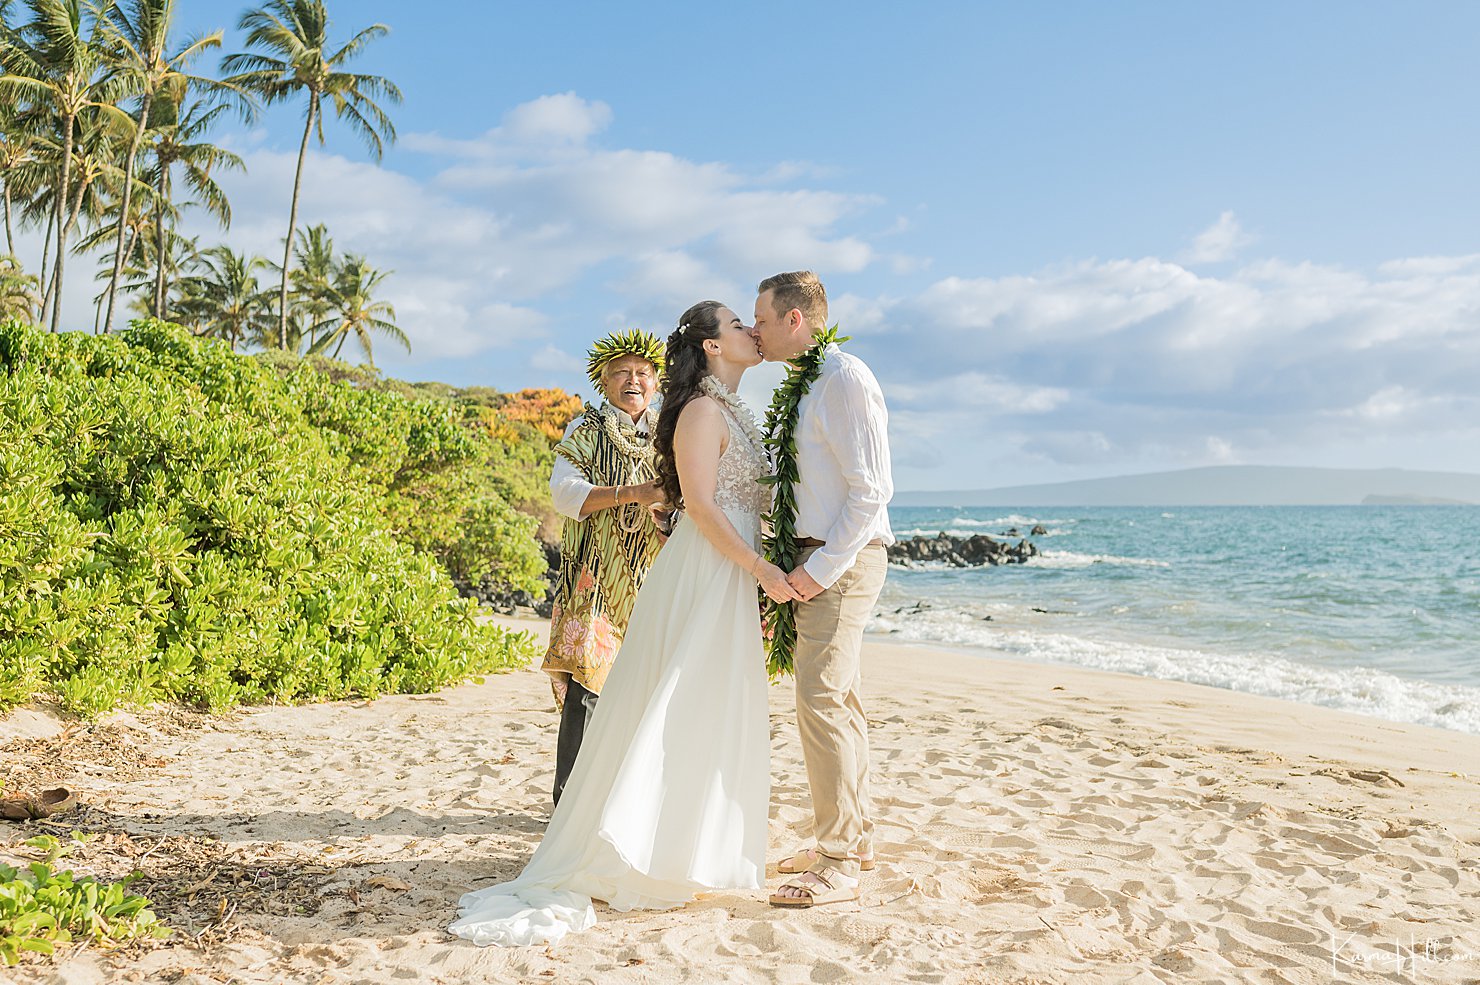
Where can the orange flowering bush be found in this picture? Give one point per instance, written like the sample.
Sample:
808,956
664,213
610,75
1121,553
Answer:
547,410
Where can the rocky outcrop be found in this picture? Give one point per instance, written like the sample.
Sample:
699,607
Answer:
499,597
960,552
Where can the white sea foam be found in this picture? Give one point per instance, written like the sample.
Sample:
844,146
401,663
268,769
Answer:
932,531
1045,559
966,528
1069,559
1360,689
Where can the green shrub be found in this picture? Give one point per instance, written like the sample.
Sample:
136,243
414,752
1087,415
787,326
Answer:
448,477
178,521
41,907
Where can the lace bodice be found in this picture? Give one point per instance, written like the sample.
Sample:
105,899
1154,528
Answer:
740,467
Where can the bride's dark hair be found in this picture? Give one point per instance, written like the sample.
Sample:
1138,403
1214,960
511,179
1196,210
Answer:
684,367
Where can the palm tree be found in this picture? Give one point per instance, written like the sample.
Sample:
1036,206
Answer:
18,298
139,30
223,299
17,155
59,61
137,261
314,274
95,174
353,311
175,139
294,36
139,277
135,223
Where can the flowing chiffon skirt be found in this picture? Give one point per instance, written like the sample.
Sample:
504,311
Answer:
670,793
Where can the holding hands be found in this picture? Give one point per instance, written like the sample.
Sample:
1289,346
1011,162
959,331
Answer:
773,581
804,584
782,587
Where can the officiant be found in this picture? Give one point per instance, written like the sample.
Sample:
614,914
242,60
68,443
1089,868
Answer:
603,485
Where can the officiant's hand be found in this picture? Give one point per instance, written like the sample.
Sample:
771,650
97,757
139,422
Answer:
804,585
774,583
647,493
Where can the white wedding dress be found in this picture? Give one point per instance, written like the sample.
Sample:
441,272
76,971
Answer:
670,793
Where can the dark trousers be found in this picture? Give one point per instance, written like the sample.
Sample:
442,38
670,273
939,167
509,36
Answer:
575,716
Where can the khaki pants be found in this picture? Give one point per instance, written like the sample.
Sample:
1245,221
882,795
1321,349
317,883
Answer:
829,674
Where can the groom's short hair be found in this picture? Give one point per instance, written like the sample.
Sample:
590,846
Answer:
798,289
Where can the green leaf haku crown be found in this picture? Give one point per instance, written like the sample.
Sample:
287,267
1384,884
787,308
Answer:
634,342
780,544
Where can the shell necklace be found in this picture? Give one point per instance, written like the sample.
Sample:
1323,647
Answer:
713,388
638,450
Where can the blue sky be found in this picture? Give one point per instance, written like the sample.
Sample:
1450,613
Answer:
1072,239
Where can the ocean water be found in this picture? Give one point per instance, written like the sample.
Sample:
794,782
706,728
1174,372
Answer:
1371,609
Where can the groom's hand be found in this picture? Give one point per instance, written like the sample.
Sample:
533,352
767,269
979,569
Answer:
805,585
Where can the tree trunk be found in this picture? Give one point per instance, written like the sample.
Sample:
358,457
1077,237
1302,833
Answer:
9,235
67,227
159,248
128,190
43,278
61,212
313,106
133,241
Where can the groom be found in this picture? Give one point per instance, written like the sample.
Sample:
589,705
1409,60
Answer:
842,527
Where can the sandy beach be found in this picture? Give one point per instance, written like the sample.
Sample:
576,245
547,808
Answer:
1036,824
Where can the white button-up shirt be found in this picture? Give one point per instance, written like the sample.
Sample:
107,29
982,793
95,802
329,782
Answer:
568,487
844,481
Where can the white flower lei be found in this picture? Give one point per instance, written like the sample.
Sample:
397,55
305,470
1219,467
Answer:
713,388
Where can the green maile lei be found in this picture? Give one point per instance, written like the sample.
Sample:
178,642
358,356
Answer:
780,544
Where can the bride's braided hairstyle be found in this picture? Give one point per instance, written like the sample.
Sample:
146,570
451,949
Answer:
686,365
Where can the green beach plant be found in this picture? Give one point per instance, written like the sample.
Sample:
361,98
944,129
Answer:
41,907
181,522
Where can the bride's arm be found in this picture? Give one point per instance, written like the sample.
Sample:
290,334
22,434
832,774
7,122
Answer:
698,441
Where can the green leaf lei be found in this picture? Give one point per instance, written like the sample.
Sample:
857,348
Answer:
780,544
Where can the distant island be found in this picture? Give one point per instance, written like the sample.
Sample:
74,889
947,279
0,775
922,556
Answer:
1227,485
1377,499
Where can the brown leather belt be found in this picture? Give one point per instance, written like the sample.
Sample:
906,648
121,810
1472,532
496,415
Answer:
814,542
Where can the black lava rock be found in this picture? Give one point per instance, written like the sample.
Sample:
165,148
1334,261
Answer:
960,552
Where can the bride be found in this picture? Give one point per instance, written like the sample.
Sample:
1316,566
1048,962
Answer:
670,793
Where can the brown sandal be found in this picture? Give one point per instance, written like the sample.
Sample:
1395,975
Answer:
27,808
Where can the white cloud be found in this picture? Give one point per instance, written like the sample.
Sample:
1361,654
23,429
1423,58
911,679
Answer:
534,237
1221,241
1142,362
1219,452
564,117
522,214
557,361
671,280
978,392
